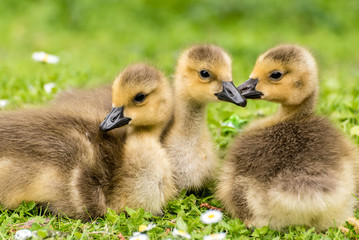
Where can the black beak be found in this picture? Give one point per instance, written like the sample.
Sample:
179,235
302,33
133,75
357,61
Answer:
114,119
248,89
231,94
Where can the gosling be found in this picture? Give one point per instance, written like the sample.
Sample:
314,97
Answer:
292,168
60,157
203,75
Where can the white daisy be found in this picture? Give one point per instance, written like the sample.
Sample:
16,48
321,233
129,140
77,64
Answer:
23,234
180,233
44,57
49,86
3,103
215,236
139,236
211,216
144,228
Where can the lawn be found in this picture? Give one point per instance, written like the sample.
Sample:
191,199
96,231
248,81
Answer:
96,39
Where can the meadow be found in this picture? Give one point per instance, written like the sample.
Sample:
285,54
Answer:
96,39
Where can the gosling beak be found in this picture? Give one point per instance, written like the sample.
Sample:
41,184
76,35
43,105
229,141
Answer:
248,89
114,119
231,94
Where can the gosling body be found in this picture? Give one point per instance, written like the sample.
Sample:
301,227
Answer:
100,98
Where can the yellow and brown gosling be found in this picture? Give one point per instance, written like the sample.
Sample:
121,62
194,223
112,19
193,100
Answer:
203,75
292,168
60,157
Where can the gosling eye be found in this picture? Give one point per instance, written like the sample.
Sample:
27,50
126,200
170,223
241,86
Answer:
139,98
204,74
276,75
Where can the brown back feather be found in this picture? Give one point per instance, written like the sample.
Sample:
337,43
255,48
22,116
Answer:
306,144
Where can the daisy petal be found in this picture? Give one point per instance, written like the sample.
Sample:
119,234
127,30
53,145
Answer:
49,86
180,233
23,234
215,236
211,216
3,103
139,236
144,228
44,57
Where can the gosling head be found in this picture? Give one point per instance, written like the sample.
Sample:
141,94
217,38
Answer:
286,74
141,97
204,74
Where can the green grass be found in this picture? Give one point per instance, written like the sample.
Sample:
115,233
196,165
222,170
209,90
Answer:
96,39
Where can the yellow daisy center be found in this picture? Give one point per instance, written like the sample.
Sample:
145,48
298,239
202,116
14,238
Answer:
45,58
142,228
211,216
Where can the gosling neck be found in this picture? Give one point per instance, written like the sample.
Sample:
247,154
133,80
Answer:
189,115
151,130
306,107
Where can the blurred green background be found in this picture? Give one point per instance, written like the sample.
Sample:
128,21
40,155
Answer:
96,39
